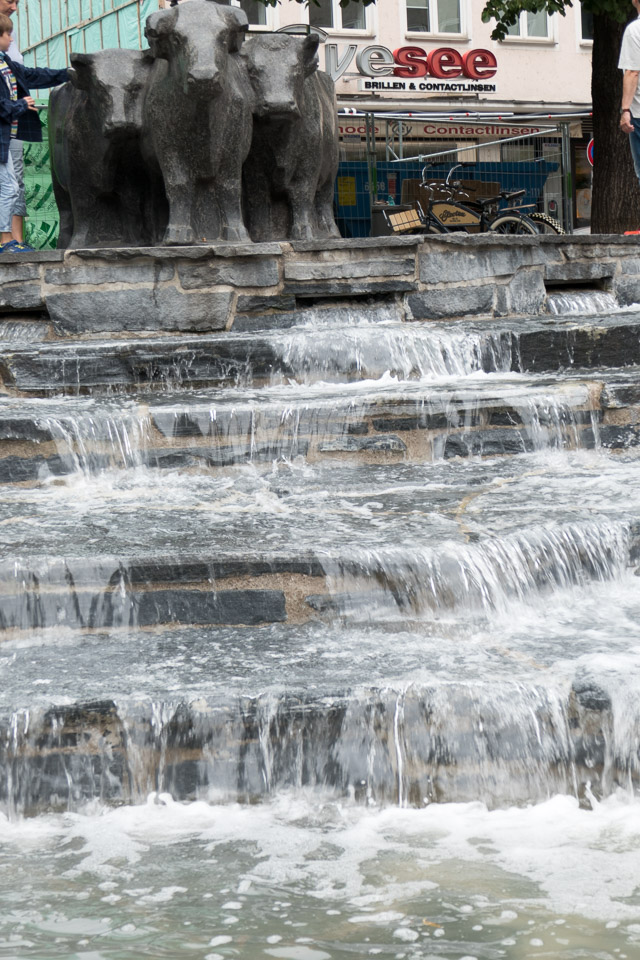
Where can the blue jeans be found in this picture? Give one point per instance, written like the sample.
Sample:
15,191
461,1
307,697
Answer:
8,194
15,147
634,143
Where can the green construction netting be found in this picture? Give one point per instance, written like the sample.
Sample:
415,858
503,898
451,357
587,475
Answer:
47,32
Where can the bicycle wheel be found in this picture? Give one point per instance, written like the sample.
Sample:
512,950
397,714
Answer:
513,223
545,223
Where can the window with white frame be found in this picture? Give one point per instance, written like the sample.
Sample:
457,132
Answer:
531,26
434,16
329,15
256,12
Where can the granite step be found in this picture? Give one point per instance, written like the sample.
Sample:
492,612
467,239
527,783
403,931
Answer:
332,350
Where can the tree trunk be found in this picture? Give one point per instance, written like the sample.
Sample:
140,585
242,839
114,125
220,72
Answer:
615,203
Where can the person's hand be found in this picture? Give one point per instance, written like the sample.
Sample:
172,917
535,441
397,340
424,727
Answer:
625,122
30,102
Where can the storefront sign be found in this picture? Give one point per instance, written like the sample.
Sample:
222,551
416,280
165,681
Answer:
411,68
355,128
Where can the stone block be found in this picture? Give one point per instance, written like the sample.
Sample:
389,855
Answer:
348,288
453,301
614,437
348,269
627,289
22,296
10,272
487,443
455,265
254,304
579,270
200,251
29,469
354,243
351,444
164,308
525,293
247,607
97,274
246,272
24,428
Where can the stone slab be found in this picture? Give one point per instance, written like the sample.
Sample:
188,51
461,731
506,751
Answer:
439,304
164,308
252,272
248,303
350,269
98,274
249,607
22,296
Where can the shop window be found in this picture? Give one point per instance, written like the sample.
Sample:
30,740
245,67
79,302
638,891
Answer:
256,12
531,26
434,16
587,24
329,15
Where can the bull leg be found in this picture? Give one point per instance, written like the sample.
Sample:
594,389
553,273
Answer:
303,226
179,229
230,200
324,211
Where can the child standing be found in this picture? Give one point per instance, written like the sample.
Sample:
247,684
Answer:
18,118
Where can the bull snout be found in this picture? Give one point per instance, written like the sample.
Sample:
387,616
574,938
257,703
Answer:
120,129
279,111
204,83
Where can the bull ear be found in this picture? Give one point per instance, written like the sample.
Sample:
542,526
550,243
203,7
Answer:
310,53
158,28
236,20
80,70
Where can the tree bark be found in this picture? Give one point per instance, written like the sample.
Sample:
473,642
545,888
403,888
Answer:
615,205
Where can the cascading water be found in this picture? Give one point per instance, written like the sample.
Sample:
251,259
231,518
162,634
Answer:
328,649
582,302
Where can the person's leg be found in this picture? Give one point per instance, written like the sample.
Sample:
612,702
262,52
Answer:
8,194
19,208
634,143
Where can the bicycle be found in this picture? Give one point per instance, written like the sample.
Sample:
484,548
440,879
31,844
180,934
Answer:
481,214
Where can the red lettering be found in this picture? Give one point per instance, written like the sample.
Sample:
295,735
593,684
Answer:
445,62
480,64
412,62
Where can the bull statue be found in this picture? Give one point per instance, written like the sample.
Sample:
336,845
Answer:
99,177
290,173
197,119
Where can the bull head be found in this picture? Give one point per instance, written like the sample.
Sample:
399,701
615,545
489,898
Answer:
278,65
115,80
196,39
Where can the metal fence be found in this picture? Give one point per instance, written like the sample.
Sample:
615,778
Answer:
382,159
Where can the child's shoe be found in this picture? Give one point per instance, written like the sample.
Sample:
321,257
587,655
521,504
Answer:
15,246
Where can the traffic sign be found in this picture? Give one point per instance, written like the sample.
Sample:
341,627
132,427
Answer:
590,151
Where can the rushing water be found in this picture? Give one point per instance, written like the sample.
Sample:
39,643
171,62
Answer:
436,756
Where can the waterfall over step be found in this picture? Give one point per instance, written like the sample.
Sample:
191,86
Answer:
583,302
